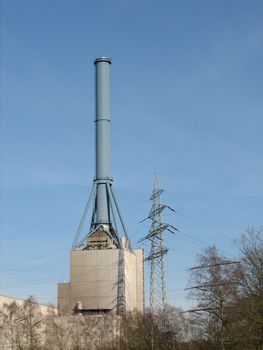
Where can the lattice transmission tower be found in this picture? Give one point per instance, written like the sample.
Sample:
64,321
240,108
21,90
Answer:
158,292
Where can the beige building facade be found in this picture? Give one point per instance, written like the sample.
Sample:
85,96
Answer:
103,281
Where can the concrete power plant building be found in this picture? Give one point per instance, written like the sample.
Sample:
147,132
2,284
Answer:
106,275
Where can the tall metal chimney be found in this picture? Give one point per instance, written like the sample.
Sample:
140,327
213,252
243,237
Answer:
106,275
102,121
105,208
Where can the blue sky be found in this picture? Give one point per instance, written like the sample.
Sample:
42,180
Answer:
186,102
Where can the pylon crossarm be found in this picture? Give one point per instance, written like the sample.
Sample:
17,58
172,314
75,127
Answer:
157,230
169,228
156,210
157,254
156,193
154,233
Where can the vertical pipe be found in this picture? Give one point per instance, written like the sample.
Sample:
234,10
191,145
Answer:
102,65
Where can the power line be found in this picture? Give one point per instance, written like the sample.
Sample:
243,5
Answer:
207,226
208,287
215,264
35,258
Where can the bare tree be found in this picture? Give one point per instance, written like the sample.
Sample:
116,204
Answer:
211,286
58,331
20,326
147,331
31,323
11,330
229,310
248,314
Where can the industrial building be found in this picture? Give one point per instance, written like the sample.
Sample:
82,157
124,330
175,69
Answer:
44,309
106,274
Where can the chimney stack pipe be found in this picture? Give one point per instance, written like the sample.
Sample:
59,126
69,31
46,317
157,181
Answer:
102,121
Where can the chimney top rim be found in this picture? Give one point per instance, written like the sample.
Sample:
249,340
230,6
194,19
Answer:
102,59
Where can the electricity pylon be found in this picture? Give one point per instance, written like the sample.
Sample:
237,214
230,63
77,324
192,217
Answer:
158,292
